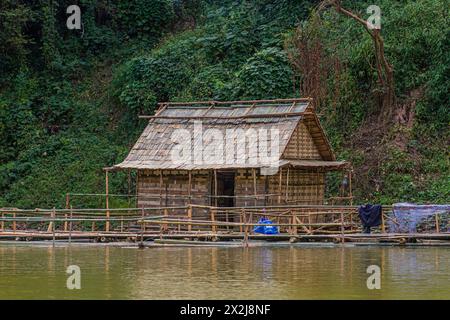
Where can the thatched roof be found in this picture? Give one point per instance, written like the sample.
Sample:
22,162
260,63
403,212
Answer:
153,150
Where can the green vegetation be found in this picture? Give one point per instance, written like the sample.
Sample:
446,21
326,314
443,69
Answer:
69,99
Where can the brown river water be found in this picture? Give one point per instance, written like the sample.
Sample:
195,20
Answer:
272,272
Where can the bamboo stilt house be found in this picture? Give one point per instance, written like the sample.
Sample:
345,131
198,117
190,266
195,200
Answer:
232,154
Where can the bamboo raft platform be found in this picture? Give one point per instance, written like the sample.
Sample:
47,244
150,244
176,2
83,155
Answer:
206,225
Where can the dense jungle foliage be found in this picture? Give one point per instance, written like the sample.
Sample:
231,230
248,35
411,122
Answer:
69,99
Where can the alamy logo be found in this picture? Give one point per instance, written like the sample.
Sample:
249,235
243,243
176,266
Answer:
74,20
74,280
374,21
374,280
229,146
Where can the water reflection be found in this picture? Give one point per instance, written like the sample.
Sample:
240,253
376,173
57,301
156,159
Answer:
229,273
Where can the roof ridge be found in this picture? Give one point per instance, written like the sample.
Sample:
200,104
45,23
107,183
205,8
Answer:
216,102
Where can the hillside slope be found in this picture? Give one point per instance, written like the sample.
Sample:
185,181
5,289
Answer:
69,99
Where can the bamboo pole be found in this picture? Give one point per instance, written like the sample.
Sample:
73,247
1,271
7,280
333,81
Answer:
65,215
246,230
160,187
287,186
166,213
190,187
189,216
50,225
213,221
255,191
294,222
436,217
137,188
249,223
53,229
350,187
14,222
309,222
142,227
383,225
107,201
215,187
271,115
241,217
280,186
70,225
129,190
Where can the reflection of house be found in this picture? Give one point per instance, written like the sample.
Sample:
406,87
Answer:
179,159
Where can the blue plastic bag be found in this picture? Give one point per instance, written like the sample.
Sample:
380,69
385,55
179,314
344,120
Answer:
268,229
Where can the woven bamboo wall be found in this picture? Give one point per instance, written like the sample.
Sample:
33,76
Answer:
305,187
174,190
245,186
301,145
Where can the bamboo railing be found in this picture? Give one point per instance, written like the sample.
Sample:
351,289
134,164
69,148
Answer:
290,219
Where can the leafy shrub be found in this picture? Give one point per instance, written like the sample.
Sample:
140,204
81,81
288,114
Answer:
265,75
141,18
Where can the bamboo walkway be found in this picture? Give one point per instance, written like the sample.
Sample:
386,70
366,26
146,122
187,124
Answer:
204,224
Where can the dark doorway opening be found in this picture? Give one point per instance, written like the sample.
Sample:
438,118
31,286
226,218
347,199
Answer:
225,188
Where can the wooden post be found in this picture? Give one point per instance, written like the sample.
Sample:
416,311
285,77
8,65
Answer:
245,229
107,201
70,225
350,186
50,225
280,186
166,213
383,226
189,216
14,222
137,188
65,215
287,186
215,187
129,192
190,187
255,191
142,228
437,223
213,220
67,200
342,225
294,222
251,219
309,222
53,223
241,219
3,222
160,188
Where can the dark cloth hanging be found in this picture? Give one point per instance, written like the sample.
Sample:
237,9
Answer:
370,216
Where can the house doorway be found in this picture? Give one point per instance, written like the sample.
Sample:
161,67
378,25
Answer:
225,188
